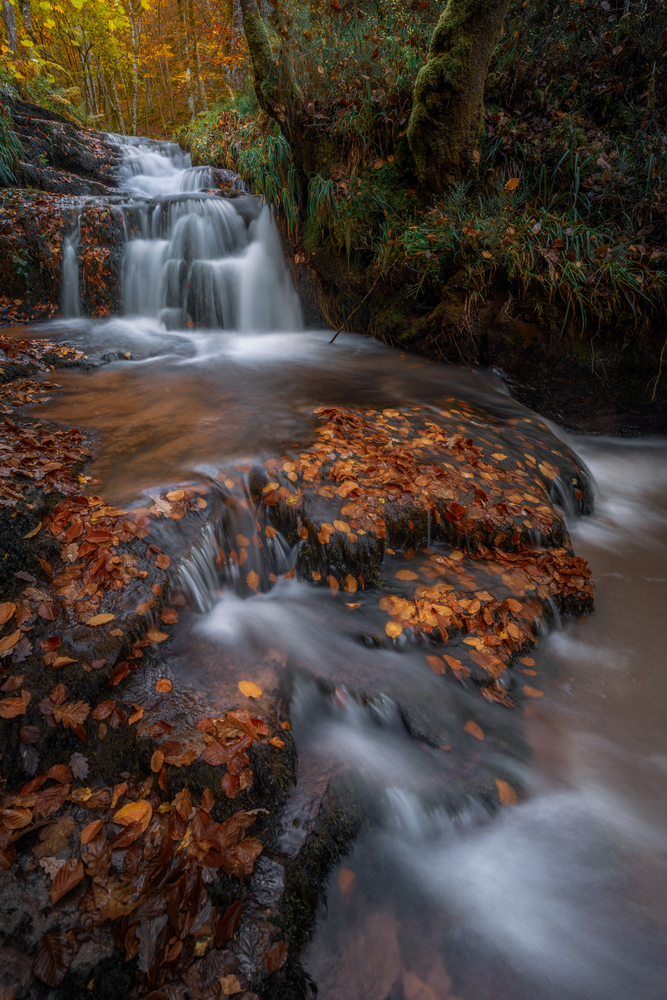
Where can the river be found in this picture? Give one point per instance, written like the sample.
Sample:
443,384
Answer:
563,895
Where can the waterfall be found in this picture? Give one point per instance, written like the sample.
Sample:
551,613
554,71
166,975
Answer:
201,251
70,295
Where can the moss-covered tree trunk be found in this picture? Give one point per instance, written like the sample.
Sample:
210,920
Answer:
446,117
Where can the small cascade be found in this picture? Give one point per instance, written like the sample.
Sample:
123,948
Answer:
70,292
231,556
201,251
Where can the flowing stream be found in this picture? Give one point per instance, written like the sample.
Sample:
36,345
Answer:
562,896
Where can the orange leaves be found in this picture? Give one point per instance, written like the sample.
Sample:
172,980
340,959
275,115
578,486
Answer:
135,817
512,184
102,619
436,664
9,642
157,760
531,692
252,580
275,741
155,636
90,831
11,707
163,685
474,730
393,629
162,561
7,610
249,689
406,574
506,793
72,714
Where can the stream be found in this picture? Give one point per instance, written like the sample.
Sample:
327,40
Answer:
565,894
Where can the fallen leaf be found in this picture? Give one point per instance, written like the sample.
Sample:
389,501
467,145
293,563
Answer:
250,690
393,629
531,692
100,619
61,773
169,616
16,818
35,531
11,707
138,812
230,785
229,985
474,730
162,561
66,879
9,641
53,957
275,741
512,184
72,714
164,685
276,957
436,664
252,579
6,611
506,793
157,760
90,831
156,636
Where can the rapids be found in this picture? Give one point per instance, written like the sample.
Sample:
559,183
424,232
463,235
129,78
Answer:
563,896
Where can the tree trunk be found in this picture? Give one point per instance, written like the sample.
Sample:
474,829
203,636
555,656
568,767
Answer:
446,119
195,52
277,88
26,17
188,68
9,19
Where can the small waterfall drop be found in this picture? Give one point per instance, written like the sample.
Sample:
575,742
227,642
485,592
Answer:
70,295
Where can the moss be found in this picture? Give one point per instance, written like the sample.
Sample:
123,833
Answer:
113,979
445,122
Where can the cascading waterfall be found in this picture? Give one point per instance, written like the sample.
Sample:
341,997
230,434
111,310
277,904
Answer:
70,296
195,257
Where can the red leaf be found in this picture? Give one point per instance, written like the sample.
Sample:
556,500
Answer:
53,958
229,923
230,785
50,800
48,610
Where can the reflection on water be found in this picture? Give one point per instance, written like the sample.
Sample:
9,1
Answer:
562,896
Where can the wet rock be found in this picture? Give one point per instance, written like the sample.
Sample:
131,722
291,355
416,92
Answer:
101,243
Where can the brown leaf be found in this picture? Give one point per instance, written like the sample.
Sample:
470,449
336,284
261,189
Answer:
72,714
276,957
162,561
104,709
276,742
53,957
65,881
230,986
6,611
35,531
157,760
169,616
11,707
16,818
156,636
60,773
230,785
240,859
90,831
531,692
512,184
48,610
164,685
436,664
54,837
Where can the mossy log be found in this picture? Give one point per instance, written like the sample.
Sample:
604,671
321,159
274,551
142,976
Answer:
446,117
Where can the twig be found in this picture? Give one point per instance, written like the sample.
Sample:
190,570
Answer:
368,293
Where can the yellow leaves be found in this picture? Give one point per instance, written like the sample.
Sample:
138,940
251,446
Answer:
506,793
134,812
175,495
102,619
6,611
406,574
498,456
35,531
9,642
249,689
393,629
474,730
229,986
512,184
548,470
531,692
163,686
